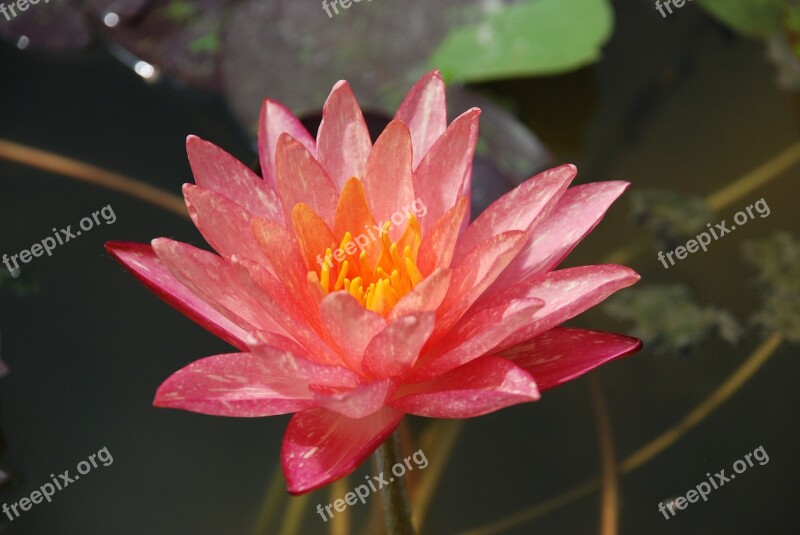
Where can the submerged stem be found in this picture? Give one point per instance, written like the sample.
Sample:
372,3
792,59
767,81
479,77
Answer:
609,482
84,172
646,453
396,511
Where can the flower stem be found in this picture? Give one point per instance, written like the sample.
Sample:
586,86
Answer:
396,511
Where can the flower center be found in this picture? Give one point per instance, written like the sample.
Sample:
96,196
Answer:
377,287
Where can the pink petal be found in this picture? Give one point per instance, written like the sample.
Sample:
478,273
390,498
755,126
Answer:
301,178
142,262
560,355
394,350
474,273
576,214
388,184
275,119
280,247
359,402
292,369
313,236
520,209
426,296
566,293
350,325
257,339
237,384
442,172
223,223
215,282
425,112
479,387
437,246
475,337
216,170
264,382
321,446
343,141
293,314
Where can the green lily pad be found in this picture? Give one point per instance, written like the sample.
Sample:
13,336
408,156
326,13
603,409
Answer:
533,38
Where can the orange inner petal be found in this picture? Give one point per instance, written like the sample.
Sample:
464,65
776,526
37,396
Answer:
376,271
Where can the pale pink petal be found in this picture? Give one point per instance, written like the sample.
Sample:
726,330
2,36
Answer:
560,355
295,317
343,141
576,214
359,402
263,382
566,293
223,223
394,350
301,178
237,384
466,193
144,264
388,183
275,119
321,446
520,209
442,172
213,280
475,337
438,244
279,245
474,273
350,325
288,368
426,296
425,112
216,170
257,339
480,387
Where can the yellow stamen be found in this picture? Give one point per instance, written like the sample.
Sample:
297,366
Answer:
356,290
413,272
380,285
364,263
324,277
414,225
396,254
340,278
345,240
370,298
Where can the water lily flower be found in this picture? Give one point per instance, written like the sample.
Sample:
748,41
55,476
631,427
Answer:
420,313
